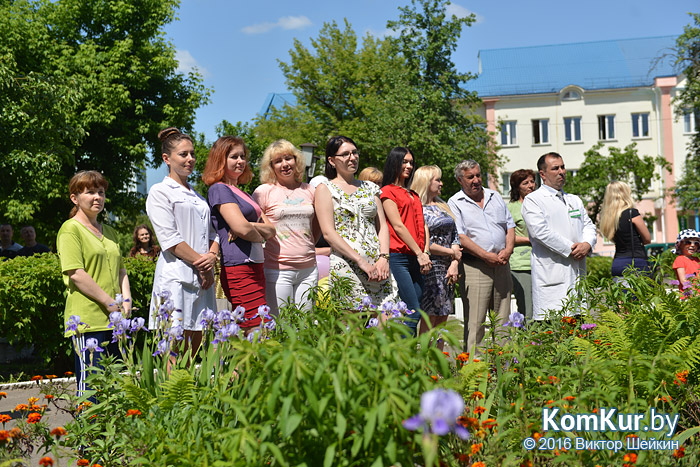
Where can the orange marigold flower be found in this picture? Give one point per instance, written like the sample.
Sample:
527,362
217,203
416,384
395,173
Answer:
463,357
526,463
46,461
58,432
82,463
679,453
33,400
477,395
4,418
133,412
68,374
33,417
462,457
548,332
479,410
595,410
478,464
446,354
569,398
681,377
489,423
49,396
96,465
553,379
435,378
476,447
4,436
21,408
16,433
49,376
3,395
476,360
39,378
536,436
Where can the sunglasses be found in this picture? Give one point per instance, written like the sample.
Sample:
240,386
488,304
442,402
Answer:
696,243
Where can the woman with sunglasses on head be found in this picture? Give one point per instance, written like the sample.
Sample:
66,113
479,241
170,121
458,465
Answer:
408,232
352,220
621,222
181,220
241,226
290,256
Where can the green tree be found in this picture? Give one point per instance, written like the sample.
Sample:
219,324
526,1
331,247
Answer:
598,170
386,92
688,100
90,83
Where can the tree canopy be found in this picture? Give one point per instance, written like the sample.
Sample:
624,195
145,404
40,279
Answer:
85,84
598,170
688,100
386,92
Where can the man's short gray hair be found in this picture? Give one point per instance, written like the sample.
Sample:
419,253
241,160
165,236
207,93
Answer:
464,165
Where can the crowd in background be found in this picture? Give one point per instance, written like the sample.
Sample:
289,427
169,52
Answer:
387,234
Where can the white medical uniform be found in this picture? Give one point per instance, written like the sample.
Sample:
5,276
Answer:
554,225
180,215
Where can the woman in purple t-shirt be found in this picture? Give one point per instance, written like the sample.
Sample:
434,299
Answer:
241,226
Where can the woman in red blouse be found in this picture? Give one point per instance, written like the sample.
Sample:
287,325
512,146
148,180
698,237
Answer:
408,259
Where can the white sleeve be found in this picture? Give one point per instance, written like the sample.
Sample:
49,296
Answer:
160,211
540,230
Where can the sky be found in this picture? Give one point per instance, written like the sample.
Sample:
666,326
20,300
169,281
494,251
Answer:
236,45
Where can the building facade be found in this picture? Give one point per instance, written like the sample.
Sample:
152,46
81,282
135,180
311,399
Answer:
566,98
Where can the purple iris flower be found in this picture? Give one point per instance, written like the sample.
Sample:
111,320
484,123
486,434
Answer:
92,345
224,333
176,333
387,307
253,336
73,323
238,314
114,318
120,329
164,295
401,307
515,320
208,317
263,312
165,309
373,323
270,325
439,410
137,324
163,347
366,301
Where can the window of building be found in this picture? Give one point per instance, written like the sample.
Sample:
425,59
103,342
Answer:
505,183
572,129
691,121
640,125
606,127
508,134
540,131
571,96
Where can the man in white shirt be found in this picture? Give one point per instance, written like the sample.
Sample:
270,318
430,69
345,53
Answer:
562,235
487,233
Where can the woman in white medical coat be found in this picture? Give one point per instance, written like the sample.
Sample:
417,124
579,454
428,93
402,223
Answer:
182,223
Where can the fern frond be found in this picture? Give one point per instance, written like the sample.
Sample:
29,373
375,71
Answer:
177,389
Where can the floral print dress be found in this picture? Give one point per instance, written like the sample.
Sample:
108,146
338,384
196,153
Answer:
354,217
438,296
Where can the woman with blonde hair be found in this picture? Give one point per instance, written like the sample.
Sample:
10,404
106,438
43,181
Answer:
371,174
241,226
445,249
621,222
288,202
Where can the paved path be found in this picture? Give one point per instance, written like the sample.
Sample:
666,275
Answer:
19,393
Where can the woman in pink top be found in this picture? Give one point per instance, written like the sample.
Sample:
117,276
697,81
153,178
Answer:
290,256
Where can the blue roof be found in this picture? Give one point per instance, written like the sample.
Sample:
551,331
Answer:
277,100
607,64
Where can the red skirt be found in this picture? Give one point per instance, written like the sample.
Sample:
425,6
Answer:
244,285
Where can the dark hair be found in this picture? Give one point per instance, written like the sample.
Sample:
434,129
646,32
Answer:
169,139
518,177
332,147
85,179
392,166
155,249
542,161
216,163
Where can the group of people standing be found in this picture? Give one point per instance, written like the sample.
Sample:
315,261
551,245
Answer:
397,241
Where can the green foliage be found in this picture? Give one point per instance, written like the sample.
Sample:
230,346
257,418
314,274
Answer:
688,100
386,92
598,170
85,85
599,269
32,300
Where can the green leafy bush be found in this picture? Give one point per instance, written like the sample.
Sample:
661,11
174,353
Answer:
32,300
599,268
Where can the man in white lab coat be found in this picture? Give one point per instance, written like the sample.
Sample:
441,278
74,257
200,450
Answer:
562,235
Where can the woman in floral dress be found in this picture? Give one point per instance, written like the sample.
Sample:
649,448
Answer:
346,209
445,250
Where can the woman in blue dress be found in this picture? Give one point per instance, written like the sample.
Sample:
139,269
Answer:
445,249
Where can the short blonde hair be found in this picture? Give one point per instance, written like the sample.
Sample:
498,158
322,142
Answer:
371,174
278,148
